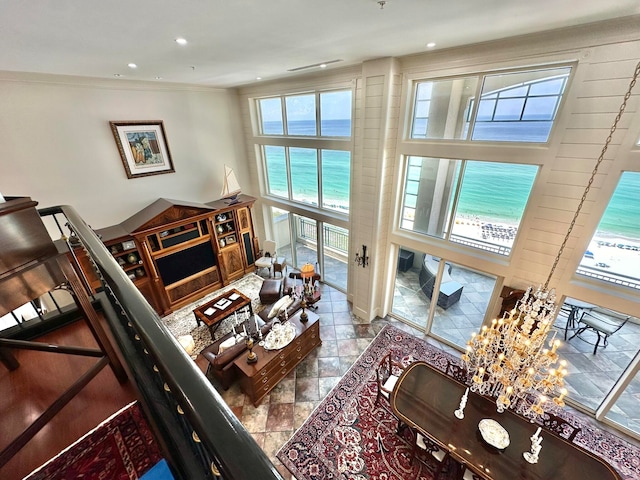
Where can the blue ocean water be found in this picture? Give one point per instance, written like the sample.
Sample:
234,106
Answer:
489,190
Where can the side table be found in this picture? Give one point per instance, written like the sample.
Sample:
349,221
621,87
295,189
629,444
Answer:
279,265
405,260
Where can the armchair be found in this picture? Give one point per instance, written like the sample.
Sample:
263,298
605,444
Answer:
266,256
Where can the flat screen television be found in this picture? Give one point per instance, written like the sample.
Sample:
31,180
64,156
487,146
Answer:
187,262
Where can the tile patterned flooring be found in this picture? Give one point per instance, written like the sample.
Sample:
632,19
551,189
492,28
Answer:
344,338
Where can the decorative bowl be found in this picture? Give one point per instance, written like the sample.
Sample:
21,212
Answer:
493,433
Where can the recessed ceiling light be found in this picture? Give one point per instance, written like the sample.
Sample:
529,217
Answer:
431,44
258,78
117,74
132,65
323,65
181,41
158,78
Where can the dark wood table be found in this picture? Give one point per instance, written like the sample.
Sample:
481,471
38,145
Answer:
425,398
212,315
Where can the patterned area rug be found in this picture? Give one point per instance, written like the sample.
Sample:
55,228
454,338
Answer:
121,448
349,437
183,322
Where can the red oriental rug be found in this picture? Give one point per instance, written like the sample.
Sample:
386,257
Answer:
348,436
121,448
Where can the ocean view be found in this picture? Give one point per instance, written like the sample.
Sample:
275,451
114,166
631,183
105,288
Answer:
490,190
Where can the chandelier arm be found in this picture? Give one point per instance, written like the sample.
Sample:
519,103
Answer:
593,173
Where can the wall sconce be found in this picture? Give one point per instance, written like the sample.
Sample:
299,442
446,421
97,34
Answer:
362,259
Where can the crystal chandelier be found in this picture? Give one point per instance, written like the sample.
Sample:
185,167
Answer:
515,359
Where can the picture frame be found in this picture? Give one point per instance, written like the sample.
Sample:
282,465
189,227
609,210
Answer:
128,245
143,147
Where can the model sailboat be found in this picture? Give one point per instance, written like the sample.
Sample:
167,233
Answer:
230,187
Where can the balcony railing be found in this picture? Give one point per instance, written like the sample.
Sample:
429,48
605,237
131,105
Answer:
333,237
203,437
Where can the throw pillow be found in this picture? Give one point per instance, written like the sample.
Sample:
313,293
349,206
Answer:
229,342
280,306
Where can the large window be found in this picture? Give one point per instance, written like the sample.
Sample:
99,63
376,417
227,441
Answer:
513,107
294,170
306,141
614,252
456,199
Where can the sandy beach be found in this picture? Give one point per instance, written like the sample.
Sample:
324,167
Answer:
609,253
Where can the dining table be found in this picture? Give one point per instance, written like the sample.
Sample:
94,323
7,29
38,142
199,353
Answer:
425,398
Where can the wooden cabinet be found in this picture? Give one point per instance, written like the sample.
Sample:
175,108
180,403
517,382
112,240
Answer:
258,379
177,252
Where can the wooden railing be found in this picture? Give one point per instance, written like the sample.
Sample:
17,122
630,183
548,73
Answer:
203,439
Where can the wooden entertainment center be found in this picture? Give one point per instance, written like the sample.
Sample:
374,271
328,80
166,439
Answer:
176,252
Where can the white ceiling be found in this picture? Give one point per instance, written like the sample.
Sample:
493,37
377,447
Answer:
231,42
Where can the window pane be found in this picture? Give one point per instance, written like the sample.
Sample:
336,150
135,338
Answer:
549,87
481,219
462,300
282,233
535,125
301,115
440,108
271,116
336,176
591,376
509,109
277,183
486,109
335,255
540,108
304,175
335,114
612,255
305,240
430,195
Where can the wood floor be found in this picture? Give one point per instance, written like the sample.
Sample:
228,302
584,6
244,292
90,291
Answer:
26,392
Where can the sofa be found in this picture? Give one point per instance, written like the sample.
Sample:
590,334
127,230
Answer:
221,363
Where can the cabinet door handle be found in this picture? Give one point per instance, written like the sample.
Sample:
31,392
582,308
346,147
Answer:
263,373
282,364
265,380
299,348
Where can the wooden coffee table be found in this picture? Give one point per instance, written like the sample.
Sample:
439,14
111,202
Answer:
223,306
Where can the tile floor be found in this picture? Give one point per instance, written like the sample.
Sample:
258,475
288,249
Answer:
344,338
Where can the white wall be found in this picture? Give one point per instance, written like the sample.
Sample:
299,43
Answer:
56,145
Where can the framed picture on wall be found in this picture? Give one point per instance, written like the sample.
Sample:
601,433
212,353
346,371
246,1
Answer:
143,147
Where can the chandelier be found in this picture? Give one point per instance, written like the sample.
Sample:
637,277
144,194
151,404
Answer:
515,359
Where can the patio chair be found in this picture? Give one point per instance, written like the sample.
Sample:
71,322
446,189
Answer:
604,325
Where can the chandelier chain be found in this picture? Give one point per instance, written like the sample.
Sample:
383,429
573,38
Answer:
636,74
